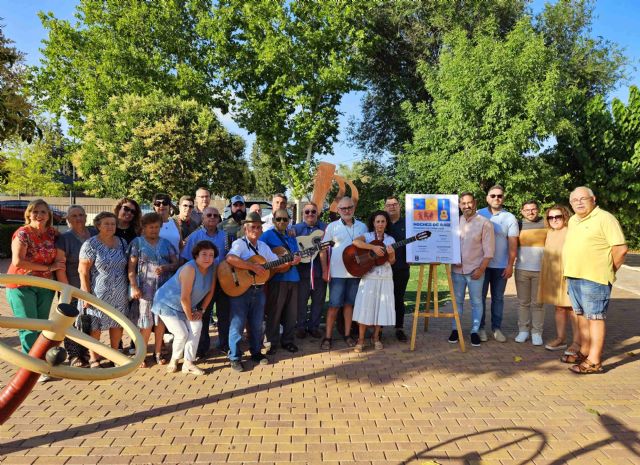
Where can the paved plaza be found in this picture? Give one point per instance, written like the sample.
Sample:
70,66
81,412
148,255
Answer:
498,404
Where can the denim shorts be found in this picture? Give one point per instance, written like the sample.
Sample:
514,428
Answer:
589,298
343,291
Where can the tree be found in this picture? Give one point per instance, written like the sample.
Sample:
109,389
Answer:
267,173
37,168
15,109
288,64
140,145
374,182
493,104
118,47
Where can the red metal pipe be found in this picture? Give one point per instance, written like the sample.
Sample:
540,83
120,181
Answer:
24,380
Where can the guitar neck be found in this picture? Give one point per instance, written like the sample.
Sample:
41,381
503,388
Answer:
276,263
404,242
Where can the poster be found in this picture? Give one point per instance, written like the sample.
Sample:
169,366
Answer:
439,214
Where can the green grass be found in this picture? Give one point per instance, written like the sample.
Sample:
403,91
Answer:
411,294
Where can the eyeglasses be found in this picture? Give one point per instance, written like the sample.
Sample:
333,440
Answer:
530,210
212,215
395,204
554,217
281,219
159,203
187,206
580,200
496,196
310,212
128,210
345,209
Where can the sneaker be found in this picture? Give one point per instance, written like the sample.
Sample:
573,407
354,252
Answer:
237,365
475,340
172,367
401,336
189,367
522,336
44,378
482,334
498,336
260,359
453,337
536,339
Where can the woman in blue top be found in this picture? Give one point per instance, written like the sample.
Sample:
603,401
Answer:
179,303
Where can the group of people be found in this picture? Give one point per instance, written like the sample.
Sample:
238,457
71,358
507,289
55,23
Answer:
558,259
161,272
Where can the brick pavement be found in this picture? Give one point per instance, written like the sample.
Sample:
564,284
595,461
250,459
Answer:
434,405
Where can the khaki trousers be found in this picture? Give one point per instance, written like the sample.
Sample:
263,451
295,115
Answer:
530,312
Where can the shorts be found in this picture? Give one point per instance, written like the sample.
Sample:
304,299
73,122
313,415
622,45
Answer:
589,298
343,291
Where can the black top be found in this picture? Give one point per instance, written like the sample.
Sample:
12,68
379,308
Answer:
398,231
128,234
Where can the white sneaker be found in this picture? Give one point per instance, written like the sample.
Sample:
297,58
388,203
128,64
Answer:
172,367
189,367
44,378
498,336
167,338
522,336
536,339
483,335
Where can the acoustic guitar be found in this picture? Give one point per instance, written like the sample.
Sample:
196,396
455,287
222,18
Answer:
359,262
235,282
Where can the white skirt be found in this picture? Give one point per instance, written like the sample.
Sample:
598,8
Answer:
375,304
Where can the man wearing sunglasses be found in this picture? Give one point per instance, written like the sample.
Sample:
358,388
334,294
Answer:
208,231
203,198
282,292
183,218
594,249
528,265
311,282
500,269
343,287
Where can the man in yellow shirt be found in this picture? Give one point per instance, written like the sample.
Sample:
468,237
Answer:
594,250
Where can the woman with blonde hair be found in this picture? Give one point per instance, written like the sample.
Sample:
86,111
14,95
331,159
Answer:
553,286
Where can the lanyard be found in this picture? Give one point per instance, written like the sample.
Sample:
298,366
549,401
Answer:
250,245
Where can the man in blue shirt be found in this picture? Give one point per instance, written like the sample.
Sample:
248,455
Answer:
311,282
500,269
209,232
282,292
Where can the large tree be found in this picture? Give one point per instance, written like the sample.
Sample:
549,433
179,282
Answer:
288,64
117,47
140,145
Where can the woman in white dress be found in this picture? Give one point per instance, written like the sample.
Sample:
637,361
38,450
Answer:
375,305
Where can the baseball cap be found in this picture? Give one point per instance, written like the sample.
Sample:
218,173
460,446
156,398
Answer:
237,198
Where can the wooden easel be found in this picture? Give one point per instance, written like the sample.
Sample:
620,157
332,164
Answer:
432,292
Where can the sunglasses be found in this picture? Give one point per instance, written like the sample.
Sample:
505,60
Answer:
212,215
128,210
310,212
281,219
554,217
164,202
496,196
187,206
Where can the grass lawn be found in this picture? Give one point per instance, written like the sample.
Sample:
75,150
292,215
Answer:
410,296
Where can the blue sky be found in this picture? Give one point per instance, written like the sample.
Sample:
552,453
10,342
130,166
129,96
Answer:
615,20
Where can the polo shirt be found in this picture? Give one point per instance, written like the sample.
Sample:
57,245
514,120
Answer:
219,239
476,243
274,239
240,249
531,241
587,248
343,236
505,225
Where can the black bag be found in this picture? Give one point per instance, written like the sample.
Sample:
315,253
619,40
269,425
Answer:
75,350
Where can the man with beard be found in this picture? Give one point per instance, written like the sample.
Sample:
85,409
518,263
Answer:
232,226
476,251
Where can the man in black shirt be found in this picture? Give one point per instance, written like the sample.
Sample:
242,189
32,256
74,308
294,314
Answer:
401,270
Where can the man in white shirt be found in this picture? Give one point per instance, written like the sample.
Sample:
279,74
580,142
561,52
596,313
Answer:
343,286
278,202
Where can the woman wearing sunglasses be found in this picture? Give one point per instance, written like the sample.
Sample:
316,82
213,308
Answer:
553,287
170,229
128,214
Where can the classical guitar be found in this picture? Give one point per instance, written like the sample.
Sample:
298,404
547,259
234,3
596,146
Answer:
235,282
359,261
306,242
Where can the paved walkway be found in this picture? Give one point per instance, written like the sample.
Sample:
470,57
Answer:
497,404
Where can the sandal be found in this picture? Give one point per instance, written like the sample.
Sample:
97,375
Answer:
146,363
77,362
586,368
94,364
359,347
160,360
573,349
576,358
104,363
325,344
377,345
349,341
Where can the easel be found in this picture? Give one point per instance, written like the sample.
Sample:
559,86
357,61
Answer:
432,291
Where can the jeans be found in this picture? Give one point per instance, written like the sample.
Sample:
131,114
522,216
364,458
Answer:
248,307
29,302
493,278
460,284
318,295
205,339
400,280
589,298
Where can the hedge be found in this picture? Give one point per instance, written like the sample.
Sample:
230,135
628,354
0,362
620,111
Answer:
6,233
